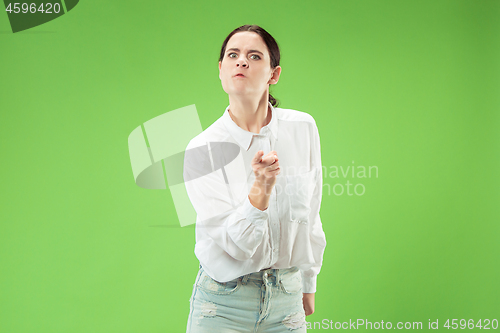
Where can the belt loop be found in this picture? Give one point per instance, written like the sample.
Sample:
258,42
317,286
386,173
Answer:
245,279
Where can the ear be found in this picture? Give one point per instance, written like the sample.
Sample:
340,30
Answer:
220,64
276,75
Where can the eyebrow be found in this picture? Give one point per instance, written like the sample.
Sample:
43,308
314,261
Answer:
238,50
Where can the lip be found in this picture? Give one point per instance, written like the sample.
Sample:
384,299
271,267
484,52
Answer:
239,75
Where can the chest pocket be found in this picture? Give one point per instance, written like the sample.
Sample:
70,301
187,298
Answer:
299,189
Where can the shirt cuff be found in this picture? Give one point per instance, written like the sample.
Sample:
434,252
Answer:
253,214
309,284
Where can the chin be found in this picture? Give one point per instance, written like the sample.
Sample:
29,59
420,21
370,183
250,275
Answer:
240,91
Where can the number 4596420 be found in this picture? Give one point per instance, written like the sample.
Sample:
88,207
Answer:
470,324
31,8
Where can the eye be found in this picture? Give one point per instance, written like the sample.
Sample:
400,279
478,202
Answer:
232,55
254,57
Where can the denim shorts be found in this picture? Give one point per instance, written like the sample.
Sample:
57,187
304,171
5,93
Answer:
267,301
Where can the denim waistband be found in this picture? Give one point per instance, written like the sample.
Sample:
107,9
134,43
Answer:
265,274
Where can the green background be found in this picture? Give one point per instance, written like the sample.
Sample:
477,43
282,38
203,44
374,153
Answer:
412,87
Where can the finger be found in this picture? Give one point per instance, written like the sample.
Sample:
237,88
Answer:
273,167
276,171
258,156
272,156
272,153
269,160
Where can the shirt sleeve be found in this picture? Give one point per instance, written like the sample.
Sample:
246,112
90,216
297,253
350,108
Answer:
238,228
316,234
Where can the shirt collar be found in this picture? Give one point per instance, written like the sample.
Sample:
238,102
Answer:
244,138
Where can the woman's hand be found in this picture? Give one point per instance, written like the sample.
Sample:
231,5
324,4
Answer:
308,303
265,169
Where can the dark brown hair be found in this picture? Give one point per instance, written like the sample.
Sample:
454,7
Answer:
272,47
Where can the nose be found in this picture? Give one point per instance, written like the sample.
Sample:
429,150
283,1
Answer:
242,63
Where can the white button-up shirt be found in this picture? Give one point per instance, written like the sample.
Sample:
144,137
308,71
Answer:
234,238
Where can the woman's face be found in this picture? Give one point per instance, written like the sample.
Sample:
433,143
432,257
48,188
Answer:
246,67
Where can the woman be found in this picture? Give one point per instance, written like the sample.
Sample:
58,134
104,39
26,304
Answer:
255,183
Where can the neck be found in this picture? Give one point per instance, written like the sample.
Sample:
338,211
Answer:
250,114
